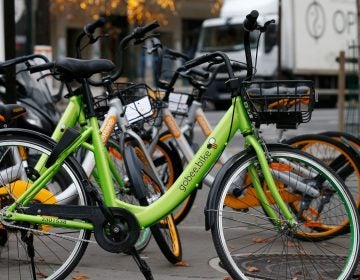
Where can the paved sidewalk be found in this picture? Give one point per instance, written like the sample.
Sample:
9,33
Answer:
198,251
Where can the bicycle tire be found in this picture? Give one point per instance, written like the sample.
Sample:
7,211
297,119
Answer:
181,212
146,190
125,193
338,135
342,159
168,159
55,256
164,157
250,246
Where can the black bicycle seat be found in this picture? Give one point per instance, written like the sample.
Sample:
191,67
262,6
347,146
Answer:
9,112
73,68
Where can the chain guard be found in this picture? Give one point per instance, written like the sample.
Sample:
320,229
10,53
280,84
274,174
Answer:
121,235
106,237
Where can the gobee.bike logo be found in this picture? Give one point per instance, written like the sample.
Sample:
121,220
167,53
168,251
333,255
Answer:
198,164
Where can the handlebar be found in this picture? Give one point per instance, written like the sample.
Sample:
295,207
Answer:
139,34
188,71
160,51
176,54
208,58
91,27
209,76
196,62
88,31
22,59
200,84
200,73
41,67
250,24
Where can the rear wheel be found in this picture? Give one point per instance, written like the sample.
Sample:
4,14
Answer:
250,245
32,251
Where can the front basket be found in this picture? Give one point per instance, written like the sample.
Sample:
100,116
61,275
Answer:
284,103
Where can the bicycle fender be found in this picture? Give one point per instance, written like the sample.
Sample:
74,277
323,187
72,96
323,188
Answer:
39,136
27,132
134,173
69,136
213,194
214,190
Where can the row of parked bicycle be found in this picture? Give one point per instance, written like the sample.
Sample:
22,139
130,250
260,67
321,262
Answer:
122,167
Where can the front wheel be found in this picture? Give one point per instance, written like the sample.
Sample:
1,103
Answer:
250,245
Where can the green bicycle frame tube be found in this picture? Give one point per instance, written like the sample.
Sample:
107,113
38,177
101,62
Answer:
195,171
101,159
70,117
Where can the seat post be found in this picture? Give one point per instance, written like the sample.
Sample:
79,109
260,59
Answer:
88,99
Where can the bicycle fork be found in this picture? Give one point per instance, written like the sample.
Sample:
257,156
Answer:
264,165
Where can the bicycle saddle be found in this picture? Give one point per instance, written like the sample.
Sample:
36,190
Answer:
73,68
9,112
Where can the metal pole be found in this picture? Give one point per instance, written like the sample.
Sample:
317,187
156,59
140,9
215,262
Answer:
341,94
29,30
278,39
10,50
358,54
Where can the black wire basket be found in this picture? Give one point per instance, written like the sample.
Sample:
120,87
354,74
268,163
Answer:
139,105
101,106
284,103
179,102
142,107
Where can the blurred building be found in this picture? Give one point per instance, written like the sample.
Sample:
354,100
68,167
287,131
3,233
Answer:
57,24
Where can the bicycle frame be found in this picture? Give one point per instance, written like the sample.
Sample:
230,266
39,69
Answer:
195,115
74,114
199,166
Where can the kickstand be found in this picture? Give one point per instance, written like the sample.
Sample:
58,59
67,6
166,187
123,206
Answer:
143,266
28,238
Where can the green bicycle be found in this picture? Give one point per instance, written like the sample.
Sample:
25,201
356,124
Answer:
49,238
